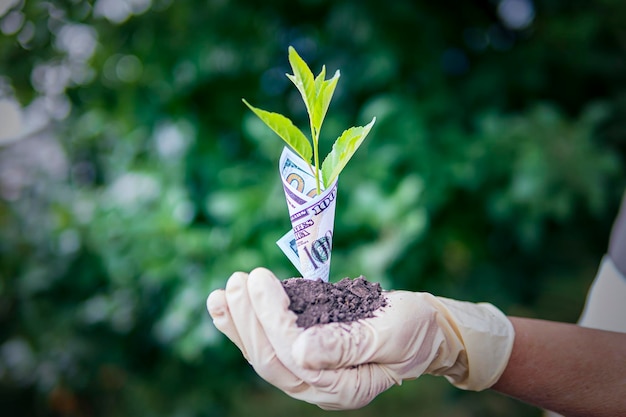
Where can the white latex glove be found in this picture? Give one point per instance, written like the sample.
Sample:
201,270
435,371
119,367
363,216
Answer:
346,365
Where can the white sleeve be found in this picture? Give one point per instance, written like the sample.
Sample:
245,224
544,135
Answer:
605,307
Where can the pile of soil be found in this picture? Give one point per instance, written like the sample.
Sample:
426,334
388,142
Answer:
319,302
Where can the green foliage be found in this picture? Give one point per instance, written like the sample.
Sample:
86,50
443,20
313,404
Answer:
141,183
317,93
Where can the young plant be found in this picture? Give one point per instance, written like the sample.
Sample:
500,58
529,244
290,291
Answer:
317,93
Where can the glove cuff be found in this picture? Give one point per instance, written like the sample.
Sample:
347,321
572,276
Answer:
486,336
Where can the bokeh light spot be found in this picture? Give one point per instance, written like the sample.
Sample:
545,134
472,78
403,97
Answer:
12,23
516,14
10,120
128,68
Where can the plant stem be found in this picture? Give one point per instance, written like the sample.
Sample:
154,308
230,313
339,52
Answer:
315,137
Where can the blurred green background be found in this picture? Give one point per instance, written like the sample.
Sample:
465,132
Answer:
137,181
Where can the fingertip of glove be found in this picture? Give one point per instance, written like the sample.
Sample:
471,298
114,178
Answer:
216,303
262,274
262,281
236,281
316,349
299,353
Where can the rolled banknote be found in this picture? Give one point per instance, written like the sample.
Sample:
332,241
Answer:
309,243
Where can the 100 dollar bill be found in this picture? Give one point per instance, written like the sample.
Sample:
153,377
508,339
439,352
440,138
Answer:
308,244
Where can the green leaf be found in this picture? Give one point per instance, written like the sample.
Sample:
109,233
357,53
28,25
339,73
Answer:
303,79
316,92
324,96
285,128
343,149
319,80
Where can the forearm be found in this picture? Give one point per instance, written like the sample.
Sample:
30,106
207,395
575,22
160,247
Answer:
566,368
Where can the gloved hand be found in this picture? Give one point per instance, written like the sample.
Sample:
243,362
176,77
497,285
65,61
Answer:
346,365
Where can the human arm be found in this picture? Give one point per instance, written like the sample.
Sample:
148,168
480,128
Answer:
566,368
563,367
346,365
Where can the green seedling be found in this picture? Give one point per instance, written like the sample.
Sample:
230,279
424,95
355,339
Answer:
317,93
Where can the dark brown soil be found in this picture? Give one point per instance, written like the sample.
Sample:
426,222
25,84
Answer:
319,302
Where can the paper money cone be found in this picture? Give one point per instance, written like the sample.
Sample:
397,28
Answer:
309,242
